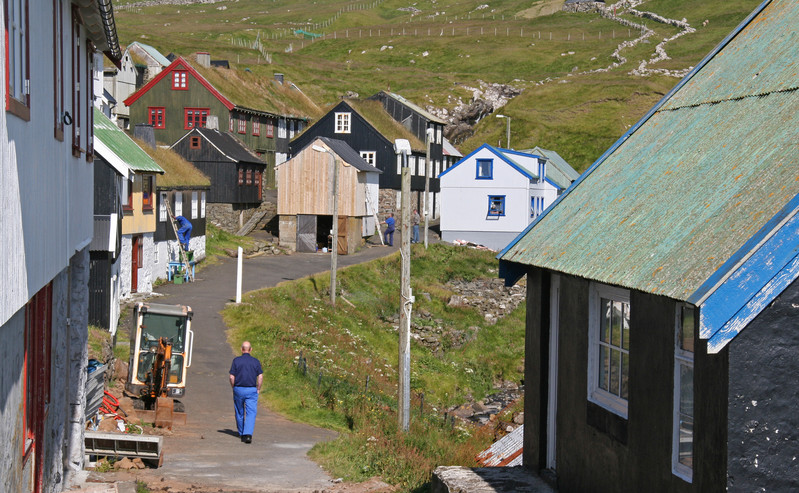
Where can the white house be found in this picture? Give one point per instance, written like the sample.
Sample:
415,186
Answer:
121,83
46,180
492,194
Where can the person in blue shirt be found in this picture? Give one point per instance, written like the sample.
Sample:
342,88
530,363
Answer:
388,235
184,231
246,378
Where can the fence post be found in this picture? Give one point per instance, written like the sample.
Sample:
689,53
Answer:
367,384
421,406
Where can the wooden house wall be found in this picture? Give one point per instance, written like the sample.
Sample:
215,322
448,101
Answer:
137,220
763,420
106,193
174,102
305,186
164,230
416,123
598,450
260,144
363,137
224,175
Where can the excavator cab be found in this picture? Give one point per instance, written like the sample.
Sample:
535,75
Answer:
160,353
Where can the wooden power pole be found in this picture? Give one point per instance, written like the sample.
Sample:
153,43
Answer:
403,147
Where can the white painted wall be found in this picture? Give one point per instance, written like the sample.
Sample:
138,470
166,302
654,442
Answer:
167,251
373,191
146,270
464,200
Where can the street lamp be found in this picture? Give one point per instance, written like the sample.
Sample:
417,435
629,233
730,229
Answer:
334,245
403,147
507,139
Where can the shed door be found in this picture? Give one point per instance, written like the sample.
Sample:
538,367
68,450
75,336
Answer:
306,233
342,235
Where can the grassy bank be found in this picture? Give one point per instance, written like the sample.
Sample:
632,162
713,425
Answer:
338,368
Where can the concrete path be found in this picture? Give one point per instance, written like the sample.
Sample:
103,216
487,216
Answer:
207,451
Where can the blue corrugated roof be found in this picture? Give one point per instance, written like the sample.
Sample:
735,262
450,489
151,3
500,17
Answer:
666,208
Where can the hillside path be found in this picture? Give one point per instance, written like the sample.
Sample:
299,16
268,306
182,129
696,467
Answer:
206,453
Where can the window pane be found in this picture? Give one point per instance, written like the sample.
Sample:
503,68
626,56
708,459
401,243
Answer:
625,375
615,370
687,329
625,328
685,450
604,319
604,367
686,389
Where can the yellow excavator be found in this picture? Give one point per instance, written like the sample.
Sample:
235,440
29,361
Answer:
161,342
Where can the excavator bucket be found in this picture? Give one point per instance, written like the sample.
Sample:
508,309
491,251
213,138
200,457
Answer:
164,412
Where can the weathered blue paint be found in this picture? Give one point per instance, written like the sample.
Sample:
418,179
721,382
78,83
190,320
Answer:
752,287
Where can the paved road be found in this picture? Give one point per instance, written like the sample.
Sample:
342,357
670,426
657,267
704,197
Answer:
206,451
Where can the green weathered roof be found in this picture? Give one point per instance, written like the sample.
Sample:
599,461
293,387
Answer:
700,174
558,170
115,145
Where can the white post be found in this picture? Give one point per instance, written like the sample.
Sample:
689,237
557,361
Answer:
238,275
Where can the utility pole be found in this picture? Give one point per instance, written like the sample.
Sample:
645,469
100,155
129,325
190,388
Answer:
403,147
334,233
427,165
507,140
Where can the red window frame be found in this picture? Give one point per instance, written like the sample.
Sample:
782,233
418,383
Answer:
58,70
270,129
37,363
241,176
180,80
76,94
194,117
89,128
147,192
18,107
154,118
194,142
249,177
242,126
128,207
256,127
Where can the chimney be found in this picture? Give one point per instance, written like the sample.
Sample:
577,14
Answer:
279,78
204,58
212,122
145,132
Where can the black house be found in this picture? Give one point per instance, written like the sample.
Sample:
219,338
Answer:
235,172
416,119
662,295
371,131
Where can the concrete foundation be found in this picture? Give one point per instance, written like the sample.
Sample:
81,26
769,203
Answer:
455,479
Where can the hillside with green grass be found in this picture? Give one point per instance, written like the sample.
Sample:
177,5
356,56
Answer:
337,368
433,52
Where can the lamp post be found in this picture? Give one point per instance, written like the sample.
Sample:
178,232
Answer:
403,147
427,165
334,246
507,133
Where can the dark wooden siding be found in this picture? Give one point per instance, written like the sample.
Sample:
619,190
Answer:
174,102
100,288
596,449
363,137
106,198
163,230
763,419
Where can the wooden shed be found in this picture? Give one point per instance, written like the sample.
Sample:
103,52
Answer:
305,197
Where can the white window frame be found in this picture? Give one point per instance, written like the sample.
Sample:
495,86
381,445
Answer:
343,123
194,205
202,204
162,198
370,157
438,135
18,52
281,128
682,357
178,204
612,402
422,162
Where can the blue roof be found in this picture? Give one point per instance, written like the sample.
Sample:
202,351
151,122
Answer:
693,203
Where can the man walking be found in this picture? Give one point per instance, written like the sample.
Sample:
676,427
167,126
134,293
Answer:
246,377
415,223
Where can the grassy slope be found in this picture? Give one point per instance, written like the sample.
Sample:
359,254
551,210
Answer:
353,342
579,119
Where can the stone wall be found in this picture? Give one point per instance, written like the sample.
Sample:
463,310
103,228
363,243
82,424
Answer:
288,232
145,278
168,251
12,333
231,218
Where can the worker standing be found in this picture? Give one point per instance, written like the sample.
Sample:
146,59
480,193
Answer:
246,378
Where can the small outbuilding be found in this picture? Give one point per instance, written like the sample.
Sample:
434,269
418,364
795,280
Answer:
305,197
